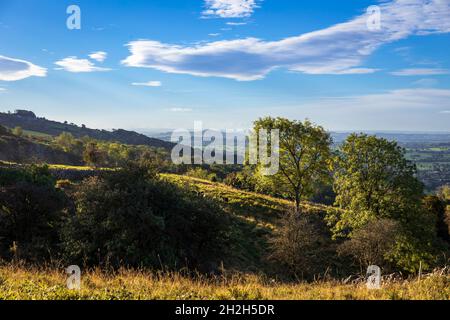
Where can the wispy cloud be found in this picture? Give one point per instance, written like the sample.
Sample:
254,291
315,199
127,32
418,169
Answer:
229,8
14,69
236,23
420,72
426,82
99,56
73,64
445,112
148,84
339,49
415,98
182,110
2,90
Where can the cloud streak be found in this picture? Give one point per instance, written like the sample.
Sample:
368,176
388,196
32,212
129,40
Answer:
148,84
339,49
15,69
420,72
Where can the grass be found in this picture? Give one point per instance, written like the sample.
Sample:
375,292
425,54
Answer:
253,217
50,284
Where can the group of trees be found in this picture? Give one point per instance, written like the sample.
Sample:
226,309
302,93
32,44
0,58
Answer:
97,153
384,217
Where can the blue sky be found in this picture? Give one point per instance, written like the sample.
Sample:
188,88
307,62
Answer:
167,63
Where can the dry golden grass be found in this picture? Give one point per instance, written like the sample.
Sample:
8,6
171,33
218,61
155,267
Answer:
49,284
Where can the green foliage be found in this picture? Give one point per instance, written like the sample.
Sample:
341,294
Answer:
3,130
304,156
444,193
201,173
92,155
17,131
244,180
31,209
131,217
373,180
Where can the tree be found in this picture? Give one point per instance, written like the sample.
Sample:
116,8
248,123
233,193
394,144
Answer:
18,131
444,193
92,155
304,156
373,180
66,141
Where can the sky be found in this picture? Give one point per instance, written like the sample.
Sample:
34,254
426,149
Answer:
139,64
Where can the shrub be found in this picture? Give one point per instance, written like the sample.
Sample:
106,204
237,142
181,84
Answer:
372,244
200,173
301,245
130,217
30,213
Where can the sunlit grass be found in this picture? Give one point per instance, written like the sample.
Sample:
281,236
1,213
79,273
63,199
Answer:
50,284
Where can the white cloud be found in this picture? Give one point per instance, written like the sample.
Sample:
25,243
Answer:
230,8
420,72
73,64
339,49
2,90
180,110
15,69
148,84
445,112
236,23
99,56
214,34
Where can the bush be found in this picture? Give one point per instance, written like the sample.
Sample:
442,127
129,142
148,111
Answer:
372,244
200,173
301,245
130,217
31,211
241,180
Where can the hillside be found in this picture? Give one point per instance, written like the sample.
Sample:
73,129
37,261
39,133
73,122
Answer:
254,217
24,150
27,120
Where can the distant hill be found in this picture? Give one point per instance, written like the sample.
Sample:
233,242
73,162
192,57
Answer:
24,150
27,120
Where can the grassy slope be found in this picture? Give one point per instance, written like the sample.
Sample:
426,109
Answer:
254,217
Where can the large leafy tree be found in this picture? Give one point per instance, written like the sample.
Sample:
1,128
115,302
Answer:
373,179
304,156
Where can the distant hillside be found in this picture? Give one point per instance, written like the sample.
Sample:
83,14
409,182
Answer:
29,121
24,150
